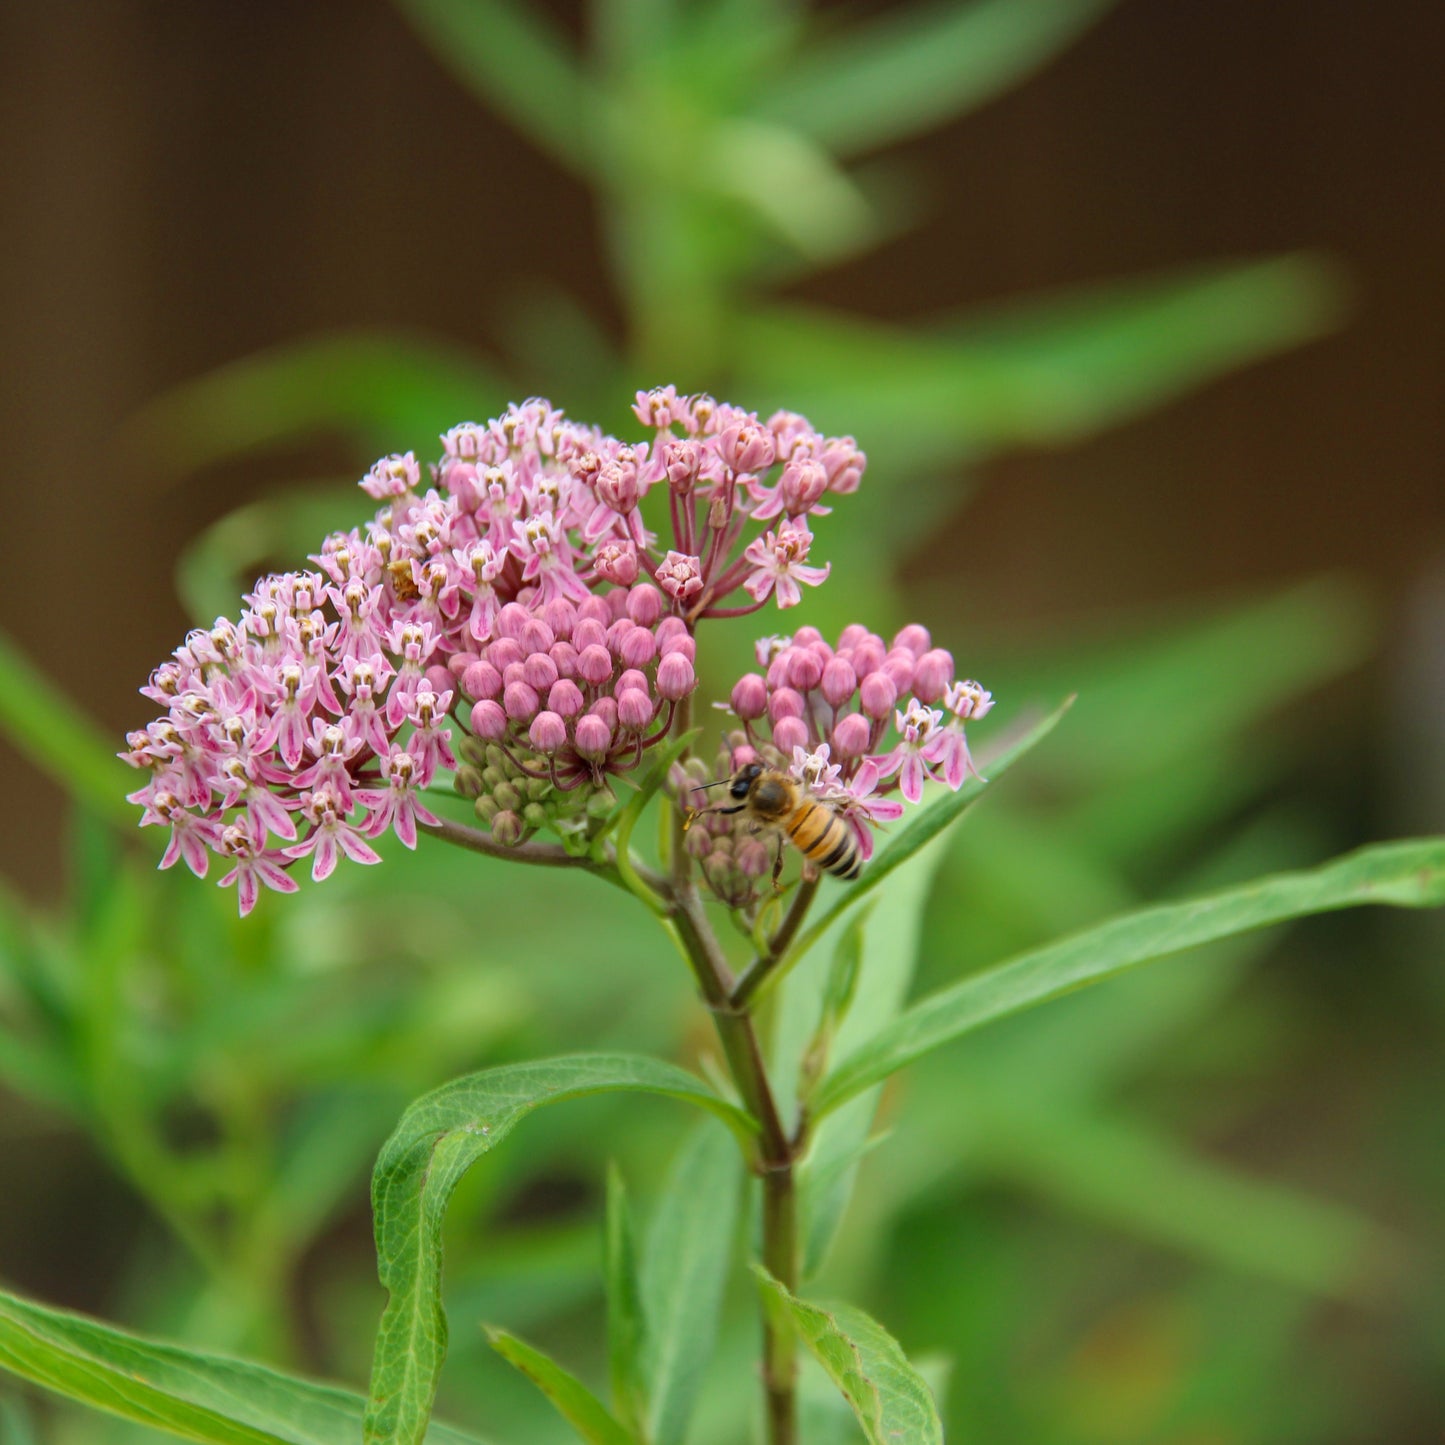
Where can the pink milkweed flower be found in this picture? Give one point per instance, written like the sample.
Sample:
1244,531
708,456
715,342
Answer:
393,476
330,836
430,741
546,555
815,770
965,700
191,834
779,558
861,807
398,805
680,576
253,867
264,811
922,744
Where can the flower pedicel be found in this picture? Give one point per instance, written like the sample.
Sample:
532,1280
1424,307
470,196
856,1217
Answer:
515,622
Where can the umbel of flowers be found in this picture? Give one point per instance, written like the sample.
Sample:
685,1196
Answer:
508,616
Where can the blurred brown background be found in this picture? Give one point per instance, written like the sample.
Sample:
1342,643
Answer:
185,183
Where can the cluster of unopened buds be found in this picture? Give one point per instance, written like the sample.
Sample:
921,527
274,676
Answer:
509,627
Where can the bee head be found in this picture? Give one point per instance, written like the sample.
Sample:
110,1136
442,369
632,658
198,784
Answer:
744,779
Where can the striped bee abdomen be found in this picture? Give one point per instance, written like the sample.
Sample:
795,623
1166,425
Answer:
824,838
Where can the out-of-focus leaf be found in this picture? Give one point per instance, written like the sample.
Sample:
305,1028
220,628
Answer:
1126,1173
390,390
792,184
54,734
1043,374
1406,874
574,1401
198,1396
508,55
626,1321
921,830
437,1141
917,66
888,1395
684,1269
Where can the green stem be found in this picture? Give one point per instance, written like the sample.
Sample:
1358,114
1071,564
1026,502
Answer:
756,973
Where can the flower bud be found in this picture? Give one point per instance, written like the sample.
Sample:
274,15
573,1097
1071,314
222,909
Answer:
617,633
511,620
680,576
536,636
469,781
675,677
868,656
589,633
503,652
750,697
790,733
508,796
802,486
914,638
565,656
594,665
534,815
680,642
507,829
747,446
548,732
560,616
900,666
439,678
933,675
667,629
616,562
593,737
539,671
785,703
565,697
520,701
617,603
634,709
877,695
489,721
481,679
851,735
639,647
753,858
644,604
805,668
697,842
839,681
594,607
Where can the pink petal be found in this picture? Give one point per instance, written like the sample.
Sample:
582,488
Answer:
353,846
323,861
913,777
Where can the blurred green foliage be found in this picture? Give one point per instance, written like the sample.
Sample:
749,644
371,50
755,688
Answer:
1092,1257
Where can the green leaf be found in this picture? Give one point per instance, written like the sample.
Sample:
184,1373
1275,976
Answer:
574,1401
437,1141
390,389
1042,374
509,56
921,830
889,1397
53,733
195,1395
684,1270
912,70
626,1322
1407,874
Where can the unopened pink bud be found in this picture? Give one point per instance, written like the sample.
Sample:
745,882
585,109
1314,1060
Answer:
548,732
634,709
639,647
839,681
539,671
785,703
606,709
750,697
779,669
667,629
790,733
617,603
933,675
914,638
503,652
596,608
747,447
589,632
680,643
851,736
852,635
868,656
877,694
807,637
438,678
617,633
644,604
565,656
481,679
675,677
593,737
628,680
512,619
459,662
753,858
489,721
742,755
697,842
520,701
536,636
594,665
507,828
565,697
805,668
560,616
900,666
803,484
514,672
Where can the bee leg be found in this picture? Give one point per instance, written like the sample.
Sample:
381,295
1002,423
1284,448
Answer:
778,868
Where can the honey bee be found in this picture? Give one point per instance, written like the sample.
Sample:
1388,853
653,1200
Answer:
776,799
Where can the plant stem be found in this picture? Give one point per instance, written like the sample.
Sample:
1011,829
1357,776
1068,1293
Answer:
755,974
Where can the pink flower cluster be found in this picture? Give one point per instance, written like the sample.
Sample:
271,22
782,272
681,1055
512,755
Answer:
831,710
513,588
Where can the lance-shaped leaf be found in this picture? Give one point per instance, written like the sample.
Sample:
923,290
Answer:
890,1398
689,1248
439,1138
576,1404
921,830
1407,875
191,1394
918,66
626,1324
